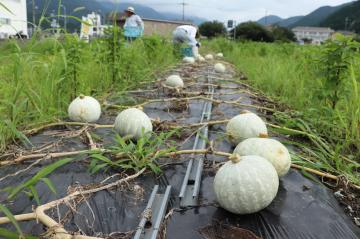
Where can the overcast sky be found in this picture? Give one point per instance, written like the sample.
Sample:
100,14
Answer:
240,10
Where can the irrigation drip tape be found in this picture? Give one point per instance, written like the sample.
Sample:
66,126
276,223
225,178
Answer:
302,209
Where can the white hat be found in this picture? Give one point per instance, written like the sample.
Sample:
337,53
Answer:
130,9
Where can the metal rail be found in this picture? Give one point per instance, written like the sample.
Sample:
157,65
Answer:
191,184
153,214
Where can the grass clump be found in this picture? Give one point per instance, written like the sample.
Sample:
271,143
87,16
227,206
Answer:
40,78
321,85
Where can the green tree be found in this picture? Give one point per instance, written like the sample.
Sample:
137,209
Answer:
254,32
283,34
212,29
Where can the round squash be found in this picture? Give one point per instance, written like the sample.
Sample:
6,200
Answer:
272,150
209,57
133,123
244,126
174,81
220,68
200,58
220,55
84,109
189,60
246,184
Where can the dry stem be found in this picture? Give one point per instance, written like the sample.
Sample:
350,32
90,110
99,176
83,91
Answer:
58,229
236,102
40,128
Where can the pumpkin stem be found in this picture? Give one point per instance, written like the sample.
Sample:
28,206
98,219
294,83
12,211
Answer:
263,135
82,96
140,108
235,158
245,112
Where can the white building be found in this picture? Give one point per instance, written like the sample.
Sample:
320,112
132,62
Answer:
315,34
15,21
93,28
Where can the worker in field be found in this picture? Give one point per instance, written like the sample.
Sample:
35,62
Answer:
187,34
134,26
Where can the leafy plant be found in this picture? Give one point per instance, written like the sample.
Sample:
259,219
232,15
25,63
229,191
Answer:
28,187
73,59
336,58
127,154
112,40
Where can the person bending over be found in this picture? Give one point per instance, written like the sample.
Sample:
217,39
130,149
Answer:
187,34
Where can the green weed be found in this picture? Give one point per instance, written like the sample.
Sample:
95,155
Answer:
128,154
28,187
320,84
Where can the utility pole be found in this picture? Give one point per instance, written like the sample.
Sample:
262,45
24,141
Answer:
346,23
234,30
266,14
33,12
183,9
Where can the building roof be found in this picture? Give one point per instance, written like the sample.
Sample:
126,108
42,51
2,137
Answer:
346,33
313,29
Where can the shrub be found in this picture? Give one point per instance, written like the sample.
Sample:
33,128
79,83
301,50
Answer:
212,29
254,32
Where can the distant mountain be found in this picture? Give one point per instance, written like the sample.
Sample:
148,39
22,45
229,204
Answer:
83,7
178,17
269,20
289,21
346,18
275,20
317,16
141,10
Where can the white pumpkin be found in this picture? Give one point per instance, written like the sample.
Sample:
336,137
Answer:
84,109
133,123
174,81
246,184
272,150
244,126
220,68
220,55
200,58
189,60
209,57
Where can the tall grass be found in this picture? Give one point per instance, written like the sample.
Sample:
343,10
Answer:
39,78
294,75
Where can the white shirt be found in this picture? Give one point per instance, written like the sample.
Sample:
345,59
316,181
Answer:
191,30
134,21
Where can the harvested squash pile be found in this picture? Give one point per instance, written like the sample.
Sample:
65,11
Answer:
103,169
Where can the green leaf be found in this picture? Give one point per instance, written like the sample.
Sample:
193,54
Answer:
309,176
49,184
4,233
18,133
11,217
41,174
101,158
98,167
154,168
35,194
